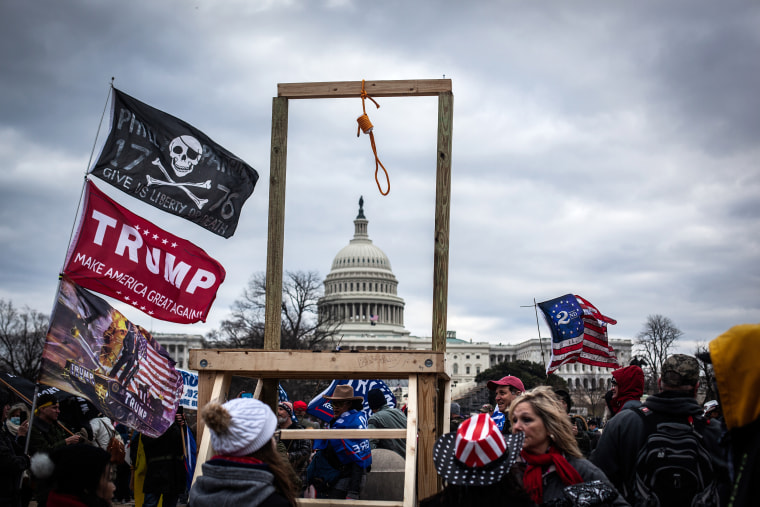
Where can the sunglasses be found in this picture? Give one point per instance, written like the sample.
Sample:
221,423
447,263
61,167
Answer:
614,382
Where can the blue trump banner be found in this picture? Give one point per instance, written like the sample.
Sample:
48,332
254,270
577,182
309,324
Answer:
320,407
189,398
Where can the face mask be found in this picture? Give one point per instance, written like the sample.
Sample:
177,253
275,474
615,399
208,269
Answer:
16,420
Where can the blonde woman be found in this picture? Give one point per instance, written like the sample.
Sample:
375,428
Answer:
550,455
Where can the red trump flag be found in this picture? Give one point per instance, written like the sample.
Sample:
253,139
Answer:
121,255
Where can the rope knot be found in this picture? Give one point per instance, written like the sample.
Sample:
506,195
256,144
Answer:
366,126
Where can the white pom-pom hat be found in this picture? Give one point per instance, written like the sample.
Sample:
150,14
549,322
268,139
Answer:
252,424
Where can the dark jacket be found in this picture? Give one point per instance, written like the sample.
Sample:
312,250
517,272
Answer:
298,451
226,484
45,437
625,434
13,462
388,417
554,487
165,472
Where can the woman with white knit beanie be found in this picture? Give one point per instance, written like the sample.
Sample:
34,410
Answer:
247,470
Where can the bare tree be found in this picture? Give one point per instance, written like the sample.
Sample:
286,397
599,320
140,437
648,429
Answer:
592,398
302,325
655,341
22,338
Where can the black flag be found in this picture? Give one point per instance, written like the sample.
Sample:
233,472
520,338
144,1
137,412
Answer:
169,164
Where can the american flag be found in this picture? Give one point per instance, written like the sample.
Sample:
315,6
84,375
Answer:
579,333
156,369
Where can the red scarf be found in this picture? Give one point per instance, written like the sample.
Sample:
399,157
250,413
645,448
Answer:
533,478
248,460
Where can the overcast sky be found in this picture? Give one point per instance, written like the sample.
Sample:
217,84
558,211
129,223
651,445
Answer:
605,149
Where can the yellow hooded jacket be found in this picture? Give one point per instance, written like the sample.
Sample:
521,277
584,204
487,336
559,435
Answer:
736,361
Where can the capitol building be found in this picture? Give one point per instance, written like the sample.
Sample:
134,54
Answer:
361,292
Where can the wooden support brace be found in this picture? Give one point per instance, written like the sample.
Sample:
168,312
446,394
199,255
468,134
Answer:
220,386
426,474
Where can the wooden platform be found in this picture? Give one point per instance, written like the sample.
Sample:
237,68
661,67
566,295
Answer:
428,390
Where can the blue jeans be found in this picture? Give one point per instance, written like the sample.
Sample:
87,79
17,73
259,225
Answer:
151,500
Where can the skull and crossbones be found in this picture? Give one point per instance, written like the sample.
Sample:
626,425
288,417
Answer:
185,152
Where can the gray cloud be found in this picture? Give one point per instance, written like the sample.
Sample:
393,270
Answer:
608,150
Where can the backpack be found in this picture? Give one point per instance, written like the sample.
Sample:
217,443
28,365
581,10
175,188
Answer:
674,468
116,447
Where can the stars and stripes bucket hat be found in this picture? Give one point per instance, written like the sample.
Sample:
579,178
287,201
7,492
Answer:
477,454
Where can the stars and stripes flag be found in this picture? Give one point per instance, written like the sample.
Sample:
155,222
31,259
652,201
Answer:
93,351
579,333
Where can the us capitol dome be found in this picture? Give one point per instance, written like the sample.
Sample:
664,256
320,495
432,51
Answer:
361,294
361,291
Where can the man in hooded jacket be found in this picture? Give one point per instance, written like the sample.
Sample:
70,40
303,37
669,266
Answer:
627,388
735,356
626,433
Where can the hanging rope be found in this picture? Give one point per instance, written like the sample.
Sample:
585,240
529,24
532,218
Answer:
366,126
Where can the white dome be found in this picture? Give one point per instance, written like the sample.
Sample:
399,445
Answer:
361,289
361,254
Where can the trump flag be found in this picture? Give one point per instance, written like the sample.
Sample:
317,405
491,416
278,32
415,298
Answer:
121,255
169,164
579,333
321,408
93,351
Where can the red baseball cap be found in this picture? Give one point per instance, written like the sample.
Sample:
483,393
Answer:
299,405
507,381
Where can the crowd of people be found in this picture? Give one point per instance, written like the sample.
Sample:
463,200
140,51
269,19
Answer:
528,450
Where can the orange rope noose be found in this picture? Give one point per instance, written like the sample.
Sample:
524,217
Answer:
366,126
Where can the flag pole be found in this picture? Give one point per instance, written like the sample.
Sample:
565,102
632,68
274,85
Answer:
540,341
89,164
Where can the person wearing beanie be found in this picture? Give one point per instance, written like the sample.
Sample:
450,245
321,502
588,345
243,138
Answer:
297,451
80,475
46,434
246,470
299,409
13,461
382,417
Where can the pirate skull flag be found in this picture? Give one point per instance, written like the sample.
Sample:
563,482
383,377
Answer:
169,164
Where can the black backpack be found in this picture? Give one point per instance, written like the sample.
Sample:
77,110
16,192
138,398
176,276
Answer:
674,468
